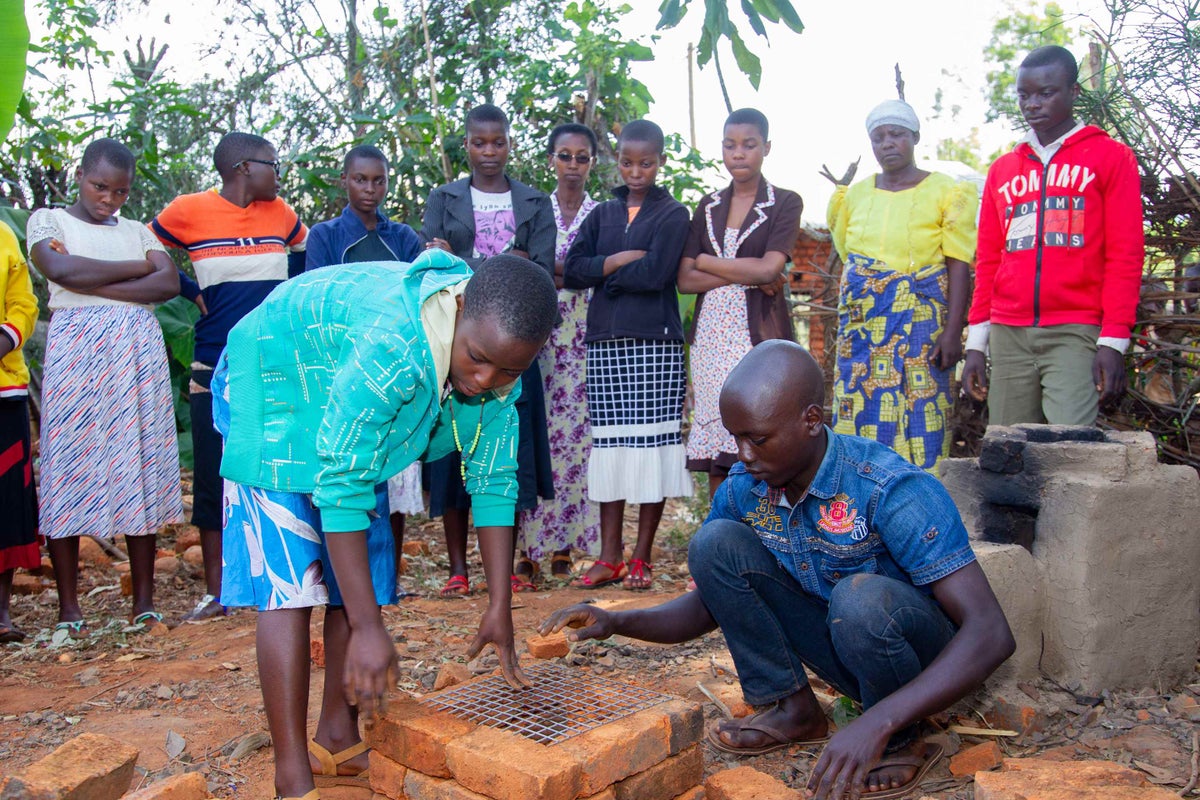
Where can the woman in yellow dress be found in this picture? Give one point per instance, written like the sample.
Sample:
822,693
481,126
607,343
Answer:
906,237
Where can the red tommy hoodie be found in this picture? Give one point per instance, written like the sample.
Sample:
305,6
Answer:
1061,242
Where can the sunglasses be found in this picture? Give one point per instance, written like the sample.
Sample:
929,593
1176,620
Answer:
580,158
275,165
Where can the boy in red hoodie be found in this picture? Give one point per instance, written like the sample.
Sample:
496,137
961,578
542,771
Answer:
1059,260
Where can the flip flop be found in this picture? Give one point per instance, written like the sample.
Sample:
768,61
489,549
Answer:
932,755
328,774
11,633
456,586
560,558
147,618
618,574
76,629
522,582
639,571
748,724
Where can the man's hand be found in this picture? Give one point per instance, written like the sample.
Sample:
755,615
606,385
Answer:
371,663
847,760
947,350
496,629
587,622
974,376
199,301
439,243
1108,374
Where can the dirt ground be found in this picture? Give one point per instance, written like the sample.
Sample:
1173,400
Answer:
188,698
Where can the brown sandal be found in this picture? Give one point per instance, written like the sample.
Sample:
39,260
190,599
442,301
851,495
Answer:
560,558
328,774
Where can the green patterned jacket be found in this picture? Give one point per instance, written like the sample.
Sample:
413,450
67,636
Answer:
331,388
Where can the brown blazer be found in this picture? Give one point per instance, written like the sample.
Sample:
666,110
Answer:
772,224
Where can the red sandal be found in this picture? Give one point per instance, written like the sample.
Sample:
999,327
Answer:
639,571
456,586
618,574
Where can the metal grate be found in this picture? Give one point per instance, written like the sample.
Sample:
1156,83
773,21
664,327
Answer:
562,703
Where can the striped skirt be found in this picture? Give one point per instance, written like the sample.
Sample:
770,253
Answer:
635,390
110,461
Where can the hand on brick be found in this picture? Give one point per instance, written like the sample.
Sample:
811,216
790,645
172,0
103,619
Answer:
496,629
587,621
371,664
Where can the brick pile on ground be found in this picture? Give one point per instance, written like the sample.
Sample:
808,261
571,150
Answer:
88,767
418,753
1043,779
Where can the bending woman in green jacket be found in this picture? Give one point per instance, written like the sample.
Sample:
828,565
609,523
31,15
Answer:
339,380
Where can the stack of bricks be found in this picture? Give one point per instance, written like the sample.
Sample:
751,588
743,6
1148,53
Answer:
419,753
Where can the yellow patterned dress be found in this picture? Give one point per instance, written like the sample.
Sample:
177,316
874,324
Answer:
892,308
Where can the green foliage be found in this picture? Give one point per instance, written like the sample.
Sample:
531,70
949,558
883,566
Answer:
178,320
717,25
14,41
1013,36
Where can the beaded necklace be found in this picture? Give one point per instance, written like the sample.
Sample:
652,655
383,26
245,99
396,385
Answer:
462,463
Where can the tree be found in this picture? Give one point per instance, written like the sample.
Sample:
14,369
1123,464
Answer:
14,40
1013,36
717,25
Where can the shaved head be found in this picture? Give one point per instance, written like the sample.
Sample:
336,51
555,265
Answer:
773,373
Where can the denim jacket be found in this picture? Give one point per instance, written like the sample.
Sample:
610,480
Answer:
866,511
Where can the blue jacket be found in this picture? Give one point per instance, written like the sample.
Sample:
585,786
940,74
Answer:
866,510
638,300
329,241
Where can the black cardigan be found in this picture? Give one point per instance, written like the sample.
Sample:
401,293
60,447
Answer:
638,300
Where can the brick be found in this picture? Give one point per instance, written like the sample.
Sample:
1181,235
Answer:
27,584
666,780
1036,779
553,646
979,758
184,786
92,554
418,786
316,653
417,737
415,547
685,721
193,556
188,537
607,794
167,565
507,766
619,749
694,793
88,767
126,584
1006,715
387,776
450,674
747,783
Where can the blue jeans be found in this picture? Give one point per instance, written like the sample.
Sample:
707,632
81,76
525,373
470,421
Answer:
875,635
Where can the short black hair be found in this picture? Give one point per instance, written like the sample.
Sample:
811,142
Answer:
515,292
365,151
750,116
236,147
109,151
486,112
644,131
568,129
1053,54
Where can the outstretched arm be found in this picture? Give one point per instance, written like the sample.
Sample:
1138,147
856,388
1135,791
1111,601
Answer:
679,620
982,643
496,626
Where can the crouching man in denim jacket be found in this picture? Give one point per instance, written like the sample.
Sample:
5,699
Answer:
833,553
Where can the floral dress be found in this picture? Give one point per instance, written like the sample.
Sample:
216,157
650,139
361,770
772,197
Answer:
722,340
569,519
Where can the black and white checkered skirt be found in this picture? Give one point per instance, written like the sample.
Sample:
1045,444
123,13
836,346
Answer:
635,393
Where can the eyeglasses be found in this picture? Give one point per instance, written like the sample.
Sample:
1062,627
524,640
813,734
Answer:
580,158
275,165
